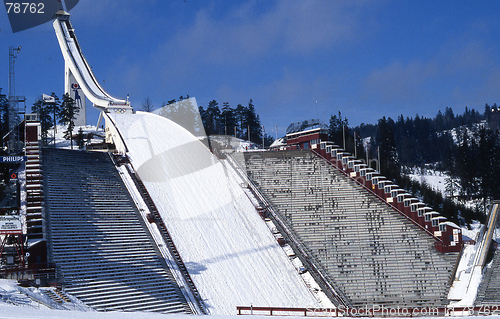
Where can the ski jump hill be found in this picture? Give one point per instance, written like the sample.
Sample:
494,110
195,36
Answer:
165,225
224,253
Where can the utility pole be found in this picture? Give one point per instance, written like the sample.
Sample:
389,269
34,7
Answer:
355,148
263,134
378,151
343,135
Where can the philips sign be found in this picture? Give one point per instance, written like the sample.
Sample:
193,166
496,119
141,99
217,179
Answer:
13,159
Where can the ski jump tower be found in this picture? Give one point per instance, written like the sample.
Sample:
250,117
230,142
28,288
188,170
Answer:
80,81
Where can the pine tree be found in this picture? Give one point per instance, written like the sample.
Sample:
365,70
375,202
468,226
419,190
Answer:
55,108
389,160
212,118
43,110
80,139
241,126
67,116
338,129
4,114
183,113
253,123
229,119
466,164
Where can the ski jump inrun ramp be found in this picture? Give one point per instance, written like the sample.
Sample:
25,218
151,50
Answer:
232,257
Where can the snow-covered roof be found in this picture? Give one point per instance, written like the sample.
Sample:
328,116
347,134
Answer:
452,224
278,142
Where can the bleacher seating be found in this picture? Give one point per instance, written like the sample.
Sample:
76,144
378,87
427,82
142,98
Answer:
489,290
374,254
98,238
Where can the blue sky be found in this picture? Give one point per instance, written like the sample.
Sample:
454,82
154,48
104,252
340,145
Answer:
297,59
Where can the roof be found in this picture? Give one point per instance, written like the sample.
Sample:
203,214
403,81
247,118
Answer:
307,124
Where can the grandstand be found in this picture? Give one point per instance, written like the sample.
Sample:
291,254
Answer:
98,239
373,253
489,290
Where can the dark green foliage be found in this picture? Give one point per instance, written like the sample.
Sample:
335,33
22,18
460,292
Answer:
268,140
253,123
211,118
67,116
4,129
228,117
472,160
183,113
454,212
386,145
44,111
338,129
241,129
80,139
243,119
4,114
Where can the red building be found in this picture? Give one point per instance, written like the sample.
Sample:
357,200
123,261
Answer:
302,135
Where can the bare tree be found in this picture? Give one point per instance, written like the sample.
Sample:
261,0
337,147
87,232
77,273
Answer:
147,105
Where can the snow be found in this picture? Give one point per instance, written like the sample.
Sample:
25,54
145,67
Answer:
157,237
60,142
435,179
37,298
467,278
232,257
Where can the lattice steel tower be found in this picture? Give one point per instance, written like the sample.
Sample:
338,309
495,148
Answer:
13,102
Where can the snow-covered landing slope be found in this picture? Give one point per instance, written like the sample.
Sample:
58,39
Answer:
229,251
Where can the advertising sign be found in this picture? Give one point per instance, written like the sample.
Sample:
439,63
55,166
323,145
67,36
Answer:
10,225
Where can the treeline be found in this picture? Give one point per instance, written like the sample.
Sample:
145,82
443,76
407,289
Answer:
4,129
461,145
52,111
242,122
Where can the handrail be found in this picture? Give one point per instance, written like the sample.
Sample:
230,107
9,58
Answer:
166,236
325,282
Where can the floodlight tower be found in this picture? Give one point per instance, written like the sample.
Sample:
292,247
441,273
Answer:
13,100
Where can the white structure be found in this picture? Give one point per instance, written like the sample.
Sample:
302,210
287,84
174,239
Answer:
80,82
